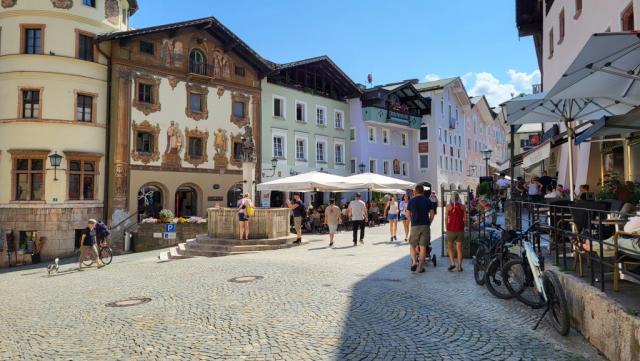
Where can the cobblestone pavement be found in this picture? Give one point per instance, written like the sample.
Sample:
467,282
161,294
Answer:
312,303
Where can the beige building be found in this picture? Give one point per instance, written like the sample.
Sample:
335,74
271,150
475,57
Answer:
183,96
53,99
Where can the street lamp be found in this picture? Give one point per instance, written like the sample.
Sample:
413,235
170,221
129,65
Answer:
55,160
486,155
274,164
362,167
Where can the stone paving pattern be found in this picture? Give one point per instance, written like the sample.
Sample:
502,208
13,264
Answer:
313,303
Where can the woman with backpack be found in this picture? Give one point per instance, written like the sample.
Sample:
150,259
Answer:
245,211
455,229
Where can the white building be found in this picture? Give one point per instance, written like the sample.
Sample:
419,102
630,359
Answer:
441,147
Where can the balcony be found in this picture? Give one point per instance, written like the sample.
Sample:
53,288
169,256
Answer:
382,115
200,72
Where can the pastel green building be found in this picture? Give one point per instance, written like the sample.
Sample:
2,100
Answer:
305,122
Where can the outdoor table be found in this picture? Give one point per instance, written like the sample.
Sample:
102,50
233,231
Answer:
617,223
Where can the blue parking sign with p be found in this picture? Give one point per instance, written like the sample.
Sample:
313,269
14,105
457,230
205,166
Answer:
170,228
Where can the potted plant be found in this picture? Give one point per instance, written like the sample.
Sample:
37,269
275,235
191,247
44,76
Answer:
166,216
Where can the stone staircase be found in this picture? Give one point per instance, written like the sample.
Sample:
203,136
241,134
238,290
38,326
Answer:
204,246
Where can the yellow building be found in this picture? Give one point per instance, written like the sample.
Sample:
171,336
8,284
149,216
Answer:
53,99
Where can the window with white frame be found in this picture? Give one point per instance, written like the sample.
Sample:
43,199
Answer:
404,139
278,106
301,111
321,116
278,146
339,153
373,165
405,169
338,117
440,162
353,165
352,134
385,167
372,134
424,161
446,137
301,149
385,136
424,133
446,163
321,151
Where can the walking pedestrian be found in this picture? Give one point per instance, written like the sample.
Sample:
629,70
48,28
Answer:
359,217
244,214
331,219
421,212
88,244
391,214
404,203
455,229
299,212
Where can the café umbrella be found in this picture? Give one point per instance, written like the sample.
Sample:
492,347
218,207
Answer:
311,181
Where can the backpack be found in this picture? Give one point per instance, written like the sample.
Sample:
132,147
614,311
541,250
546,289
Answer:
102,231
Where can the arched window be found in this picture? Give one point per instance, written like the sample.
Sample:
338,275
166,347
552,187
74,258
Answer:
197,62
150,201
186,201
233,195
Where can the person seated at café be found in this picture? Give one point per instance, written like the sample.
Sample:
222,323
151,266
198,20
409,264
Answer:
625,243
552,193
583,193
486,214
560,191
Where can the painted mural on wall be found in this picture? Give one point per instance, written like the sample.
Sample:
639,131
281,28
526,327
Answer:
171,155
220,144
62,4
172,53
112,11
221,65
9,3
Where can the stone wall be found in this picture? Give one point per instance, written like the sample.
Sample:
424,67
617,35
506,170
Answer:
601,320
57,223
145,238
267,223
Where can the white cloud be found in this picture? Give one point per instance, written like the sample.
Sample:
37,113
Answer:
431,77
484,83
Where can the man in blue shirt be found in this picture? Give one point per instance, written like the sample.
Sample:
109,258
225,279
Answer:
421,212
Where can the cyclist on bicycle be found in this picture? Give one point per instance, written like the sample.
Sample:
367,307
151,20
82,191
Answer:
88,244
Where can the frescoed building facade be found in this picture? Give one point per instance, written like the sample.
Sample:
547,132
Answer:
183,96
385,127
306,123
53,100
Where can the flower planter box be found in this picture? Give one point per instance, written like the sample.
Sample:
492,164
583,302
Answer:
145,239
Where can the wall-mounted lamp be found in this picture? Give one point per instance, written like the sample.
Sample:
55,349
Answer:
274,165
55,160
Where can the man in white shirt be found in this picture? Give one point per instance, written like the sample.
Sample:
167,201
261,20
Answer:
331,219
358,215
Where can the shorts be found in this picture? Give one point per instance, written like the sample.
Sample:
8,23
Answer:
243,217
392,217
420,235
455,237
86,249
333,228
297,223
403,217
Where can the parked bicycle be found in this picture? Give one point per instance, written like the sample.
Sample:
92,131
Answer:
526,280
488,249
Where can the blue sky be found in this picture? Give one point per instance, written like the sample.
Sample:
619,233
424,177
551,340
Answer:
394,40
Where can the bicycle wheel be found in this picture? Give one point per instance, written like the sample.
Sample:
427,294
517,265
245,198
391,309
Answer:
519,281
558,315
493,276
106,255
87,259
480,261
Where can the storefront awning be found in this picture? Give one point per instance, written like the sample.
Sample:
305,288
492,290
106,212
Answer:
503,166
538,154
620,125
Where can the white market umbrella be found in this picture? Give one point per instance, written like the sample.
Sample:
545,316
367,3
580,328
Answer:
311,181
379,182
390,191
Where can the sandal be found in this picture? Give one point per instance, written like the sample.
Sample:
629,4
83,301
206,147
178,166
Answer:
414,267
422,270
451,267
460,269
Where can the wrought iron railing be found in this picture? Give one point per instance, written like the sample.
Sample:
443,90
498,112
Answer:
201,69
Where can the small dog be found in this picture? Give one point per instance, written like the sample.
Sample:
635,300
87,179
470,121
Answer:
53,267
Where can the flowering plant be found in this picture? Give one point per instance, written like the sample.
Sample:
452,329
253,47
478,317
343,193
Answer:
197,220
149,220
166,214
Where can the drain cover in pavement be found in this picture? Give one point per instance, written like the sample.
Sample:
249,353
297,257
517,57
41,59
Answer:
129,302
245,279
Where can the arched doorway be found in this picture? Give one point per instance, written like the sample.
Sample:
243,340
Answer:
150,201
186,201
233,195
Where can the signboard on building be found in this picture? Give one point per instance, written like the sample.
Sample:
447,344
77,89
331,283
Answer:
266,199
423,147
534,139
215,198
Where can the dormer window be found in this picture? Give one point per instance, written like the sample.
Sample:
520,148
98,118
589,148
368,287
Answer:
197,62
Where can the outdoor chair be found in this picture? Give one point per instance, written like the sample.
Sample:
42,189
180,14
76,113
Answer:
583,230
557,224
625,258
